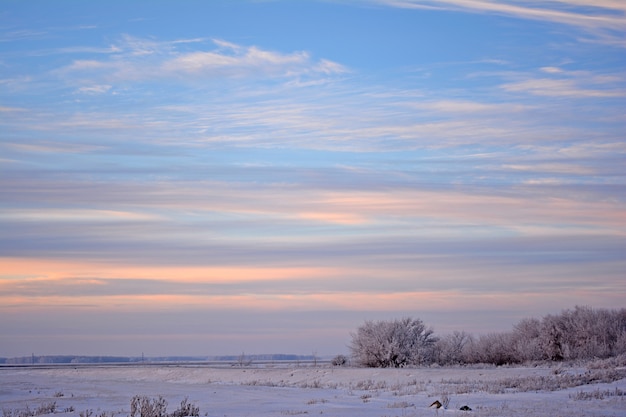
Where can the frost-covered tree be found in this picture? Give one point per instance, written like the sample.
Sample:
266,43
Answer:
450,349
527,340
591,333
581,333
392,344
496,348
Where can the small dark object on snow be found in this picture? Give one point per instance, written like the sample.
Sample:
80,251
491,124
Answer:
465,408
436,404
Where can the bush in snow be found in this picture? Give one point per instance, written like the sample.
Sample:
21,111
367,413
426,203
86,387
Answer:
495,348
581,333
186,410
339,360
142,406
46,408
451,349
527,340
389,344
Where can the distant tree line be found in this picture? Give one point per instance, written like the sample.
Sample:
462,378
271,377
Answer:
48,359
581,333
73,359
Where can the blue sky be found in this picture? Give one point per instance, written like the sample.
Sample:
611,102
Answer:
211,177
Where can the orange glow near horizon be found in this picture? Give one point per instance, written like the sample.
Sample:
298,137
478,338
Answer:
442,301
57,269
53,278
433,300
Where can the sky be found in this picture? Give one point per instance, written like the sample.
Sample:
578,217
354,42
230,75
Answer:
217,177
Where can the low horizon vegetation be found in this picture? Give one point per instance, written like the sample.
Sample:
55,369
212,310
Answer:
140,406
582,333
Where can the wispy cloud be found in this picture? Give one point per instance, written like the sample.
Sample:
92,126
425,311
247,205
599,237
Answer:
11,109
558,88
95,89
605,20
144,59
24,34
564,83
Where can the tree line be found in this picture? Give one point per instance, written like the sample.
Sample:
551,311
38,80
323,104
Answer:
579,333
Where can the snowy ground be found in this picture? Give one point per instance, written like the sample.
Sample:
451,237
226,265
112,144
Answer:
323,390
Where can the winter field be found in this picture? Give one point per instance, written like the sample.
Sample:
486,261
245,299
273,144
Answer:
592,389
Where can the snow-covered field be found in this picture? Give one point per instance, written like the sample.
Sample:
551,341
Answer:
279,390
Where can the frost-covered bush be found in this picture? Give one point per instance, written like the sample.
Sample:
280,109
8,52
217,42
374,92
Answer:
593,333
46,408
614,362
142,406
597,394
186,410
392,344
582,333
451,349
495,348
527,340
339,360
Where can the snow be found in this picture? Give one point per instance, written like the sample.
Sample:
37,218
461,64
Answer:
293,390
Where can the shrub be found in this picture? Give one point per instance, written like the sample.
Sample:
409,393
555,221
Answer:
46,408
450,349
186,410
495,348
580,334
142,406
339,360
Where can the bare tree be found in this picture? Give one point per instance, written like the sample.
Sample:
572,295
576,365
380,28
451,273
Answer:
243,360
